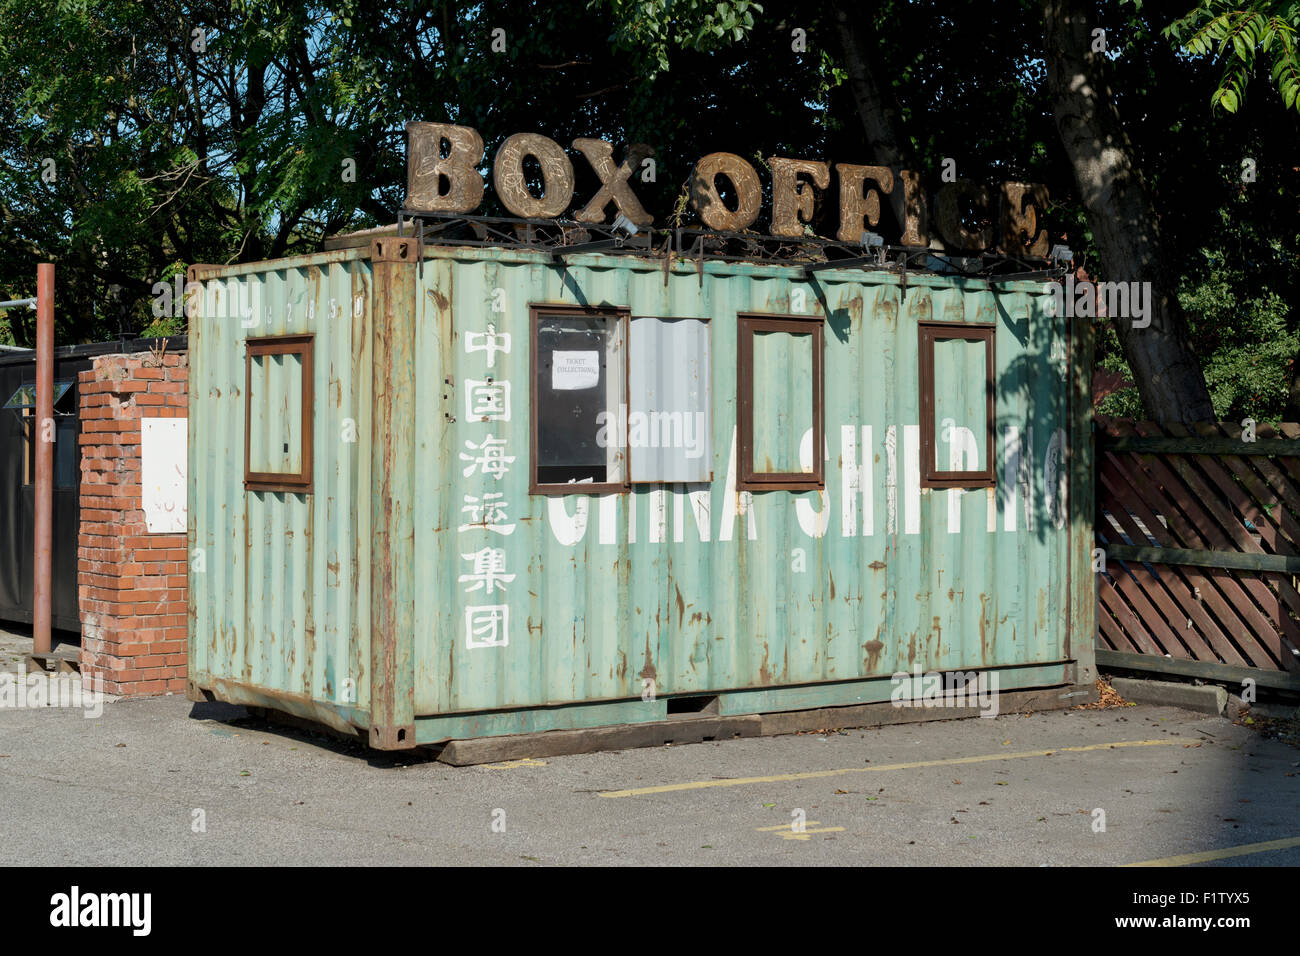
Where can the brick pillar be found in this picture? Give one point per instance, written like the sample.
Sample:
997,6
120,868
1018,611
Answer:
131,584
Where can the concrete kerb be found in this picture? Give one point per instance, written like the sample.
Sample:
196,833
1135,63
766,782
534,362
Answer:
1203,698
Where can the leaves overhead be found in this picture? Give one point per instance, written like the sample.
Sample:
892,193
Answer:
189,131
1237,36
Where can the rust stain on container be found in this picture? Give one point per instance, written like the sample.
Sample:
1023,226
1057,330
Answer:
358,581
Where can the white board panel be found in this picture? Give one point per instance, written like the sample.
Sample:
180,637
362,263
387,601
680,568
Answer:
669,421
162,474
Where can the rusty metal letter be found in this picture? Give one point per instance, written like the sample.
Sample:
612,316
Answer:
557,176
949,204
908,200
1021,203
744,182
792,201
859,205
613,181
426,168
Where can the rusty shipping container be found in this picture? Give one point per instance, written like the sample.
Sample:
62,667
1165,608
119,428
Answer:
493,493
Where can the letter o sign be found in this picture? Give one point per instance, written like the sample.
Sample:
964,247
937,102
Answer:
557,176
744,183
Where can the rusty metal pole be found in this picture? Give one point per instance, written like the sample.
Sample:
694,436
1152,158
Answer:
42,592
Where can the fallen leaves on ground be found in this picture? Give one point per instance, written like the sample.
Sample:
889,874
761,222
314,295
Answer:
1285,729
1107,697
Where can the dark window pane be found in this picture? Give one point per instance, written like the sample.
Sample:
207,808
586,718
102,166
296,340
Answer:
579,391
65,452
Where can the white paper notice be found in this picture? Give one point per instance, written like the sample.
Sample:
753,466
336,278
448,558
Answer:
162,474
575,370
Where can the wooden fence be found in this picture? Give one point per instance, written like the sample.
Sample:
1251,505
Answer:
1198,531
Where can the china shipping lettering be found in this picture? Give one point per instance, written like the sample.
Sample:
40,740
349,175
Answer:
968,217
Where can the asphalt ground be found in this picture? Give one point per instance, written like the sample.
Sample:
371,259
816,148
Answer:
164,781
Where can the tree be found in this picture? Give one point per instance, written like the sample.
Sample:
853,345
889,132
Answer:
1121,215
191,131
235,142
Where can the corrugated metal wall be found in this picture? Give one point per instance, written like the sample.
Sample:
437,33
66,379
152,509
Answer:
671,583
548,600
282,600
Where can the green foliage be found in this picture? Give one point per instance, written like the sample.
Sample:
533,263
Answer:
1237,35
163,328
1237,290
652,29
167,156
6,329
1242,322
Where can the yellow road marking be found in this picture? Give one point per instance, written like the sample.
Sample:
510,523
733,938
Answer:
793,834
914,765
786,826
803,834
511,764
1207,856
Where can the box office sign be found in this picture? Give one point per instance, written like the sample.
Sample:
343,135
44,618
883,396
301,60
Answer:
969,217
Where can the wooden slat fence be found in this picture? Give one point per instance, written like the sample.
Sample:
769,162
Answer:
1199,534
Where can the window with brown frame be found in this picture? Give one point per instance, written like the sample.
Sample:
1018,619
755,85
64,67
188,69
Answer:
779,402
618,400
579,380
957,401
278,408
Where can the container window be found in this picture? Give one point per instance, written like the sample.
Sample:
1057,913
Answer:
668,426
956,373
579,385
779,419
277,414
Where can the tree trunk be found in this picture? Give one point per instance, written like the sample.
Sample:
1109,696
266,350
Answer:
1292,411
878,115
1122,217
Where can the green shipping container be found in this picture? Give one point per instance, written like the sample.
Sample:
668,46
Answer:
492,493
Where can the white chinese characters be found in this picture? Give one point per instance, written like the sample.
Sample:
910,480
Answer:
489,571
490,341
487,626
486,512
491,460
